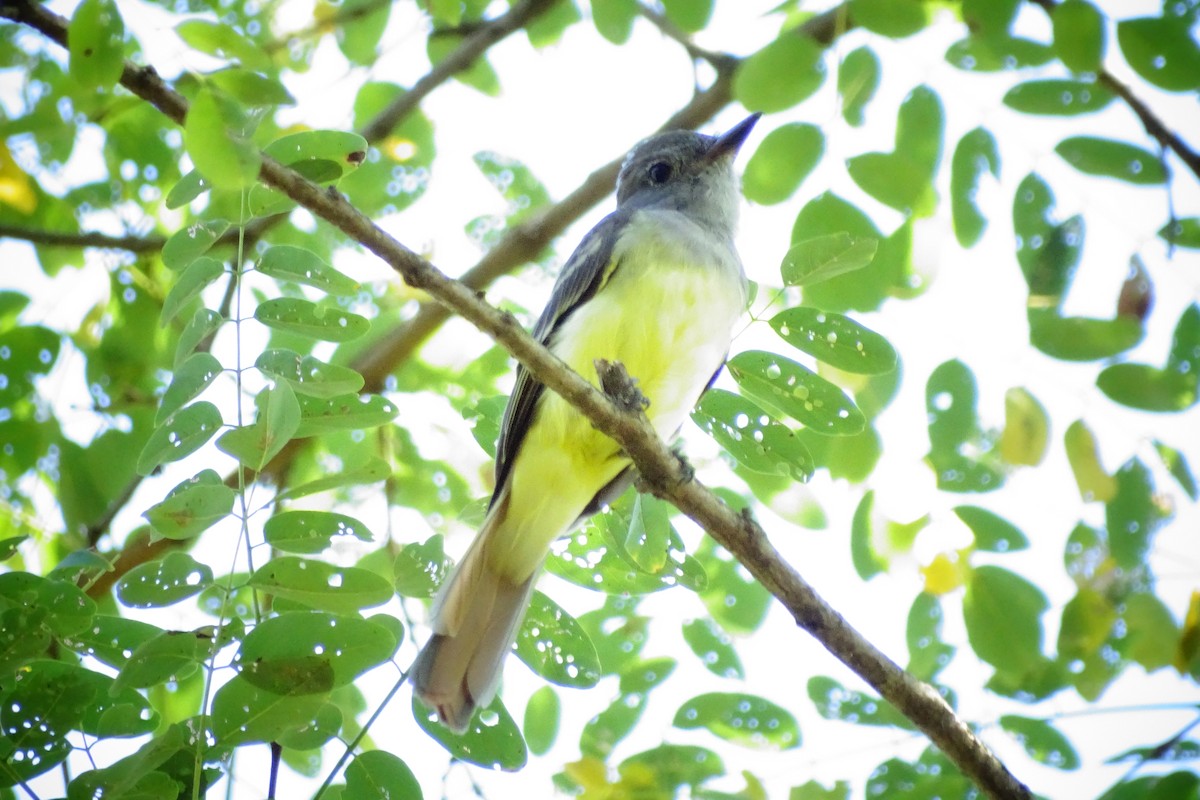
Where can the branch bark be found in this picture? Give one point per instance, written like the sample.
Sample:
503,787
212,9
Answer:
660,469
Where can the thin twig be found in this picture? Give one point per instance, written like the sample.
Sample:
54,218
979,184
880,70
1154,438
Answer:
130,243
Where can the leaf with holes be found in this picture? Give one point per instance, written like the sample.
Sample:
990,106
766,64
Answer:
789,388
165,582
321,586
834,701
743,719
750,435
191,378
714,647
96,42
835,339
379,775
1058,97
492,740
298,265
308,375
322,156
203,324
192,507
306,318
345,412
184,434
420,567
1041,740
243,713
168,656
553,644
307,652
823,257
308,532
975,154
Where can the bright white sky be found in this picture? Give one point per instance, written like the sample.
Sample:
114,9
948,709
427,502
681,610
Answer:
570,107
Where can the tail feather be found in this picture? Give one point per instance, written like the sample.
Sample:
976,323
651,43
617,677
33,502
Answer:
476,618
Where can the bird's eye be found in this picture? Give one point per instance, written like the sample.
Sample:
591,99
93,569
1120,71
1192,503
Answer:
659,172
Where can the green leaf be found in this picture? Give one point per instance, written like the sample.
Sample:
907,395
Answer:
553,644
1026,429
321,156
361,24
1172,388
782,161
1151,633
199,275
889,18
190,379
812,790
203,324
1042,741
187,189
1087,623
1182,233
1177,464
750,435
480,75
1079,35
167,656
649,538
1162,50
251,89
990,18
1082,338
743,719
614,19
308,375
223,42
214,136
303,317
824,257
671,766
993,533
835,339
834,701
420,568
1112,159
996,53
975,154
928,654
783,385
156,584
192,507
243,713
1003,615
868,562
312,652
277,423
372,470
689,15
302,266
542,716
184,434
1133,516
321,586
733,597
903,179
345,412
379,775
188,244
308,532
1058,97
493,739
782,74
858,78
954,432
110,639
714,647
58,606
516,183
96,42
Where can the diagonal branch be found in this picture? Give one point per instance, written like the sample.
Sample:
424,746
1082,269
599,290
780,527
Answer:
659,467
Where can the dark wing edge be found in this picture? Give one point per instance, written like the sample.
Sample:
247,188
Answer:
581,277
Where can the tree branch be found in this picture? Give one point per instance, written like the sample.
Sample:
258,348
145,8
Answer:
656,463
130,243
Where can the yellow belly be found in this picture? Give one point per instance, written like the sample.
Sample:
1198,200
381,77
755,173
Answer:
669,323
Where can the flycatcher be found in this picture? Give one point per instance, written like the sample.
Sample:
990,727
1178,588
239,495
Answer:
656,286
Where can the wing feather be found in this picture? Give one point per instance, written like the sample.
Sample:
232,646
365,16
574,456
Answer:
581,277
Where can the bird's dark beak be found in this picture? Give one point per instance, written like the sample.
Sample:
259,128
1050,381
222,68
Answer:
728,143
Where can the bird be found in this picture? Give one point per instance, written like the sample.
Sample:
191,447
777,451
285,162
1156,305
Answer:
656,286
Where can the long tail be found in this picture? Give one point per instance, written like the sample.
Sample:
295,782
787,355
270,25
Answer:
475,621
